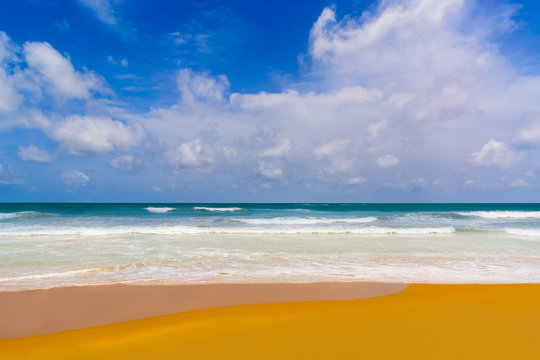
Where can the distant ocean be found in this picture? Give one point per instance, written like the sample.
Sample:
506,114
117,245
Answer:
48,245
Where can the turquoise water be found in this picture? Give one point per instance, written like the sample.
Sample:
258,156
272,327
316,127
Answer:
46,245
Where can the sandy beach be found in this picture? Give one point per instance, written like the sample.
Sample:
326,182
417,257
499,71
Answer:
289,321
37,312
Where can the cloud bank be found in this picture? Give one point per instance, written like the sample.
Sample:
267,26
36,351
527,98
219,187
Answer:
414,95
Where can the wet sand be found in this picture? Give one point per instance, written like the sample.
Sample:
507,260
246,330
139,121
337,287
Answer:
420,322
37,312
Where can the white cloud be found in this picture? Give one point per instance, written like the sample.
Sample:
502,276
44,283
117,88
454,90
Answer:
75,178
93,134
331,148
58,71
387,161
33,153
9,98
528,136
357,180
495,154
428,84
269,171
193,155
102,9
335,156
279,150
125,162
201,86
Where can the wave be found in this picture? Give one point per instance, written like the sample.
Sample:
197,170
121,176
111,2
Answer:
50,275
21,213
224,209
503,214
187,230
159,210
523,232
306,221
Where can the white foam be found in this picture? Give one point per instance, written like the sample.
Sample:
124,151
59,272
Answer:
523,232
48,275
503,214
159,210
17,214
227,209
181,229
306,220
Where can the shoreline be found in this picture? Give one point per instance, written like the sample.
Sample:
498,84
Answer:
46,311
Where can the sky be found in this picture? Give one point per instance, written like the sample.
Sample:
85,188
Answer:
270,101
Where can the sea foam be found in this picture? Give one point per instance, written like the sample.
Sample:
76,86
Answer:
220,209
159,210
187,230
503,214
21,213
306,220
523,232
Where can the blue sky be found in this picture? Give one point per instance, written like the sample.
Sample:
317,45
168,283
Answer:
290,101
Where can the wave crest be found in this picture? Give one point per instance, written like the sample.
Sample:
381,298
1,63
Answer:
523,232
224,209
159,210
503,214
306,221
21,213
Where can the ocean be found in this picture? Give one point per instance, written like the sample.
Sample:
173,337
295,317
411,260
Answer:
50,245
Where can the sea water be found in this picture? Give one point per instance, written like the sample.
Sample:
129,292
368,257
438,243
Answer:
48,245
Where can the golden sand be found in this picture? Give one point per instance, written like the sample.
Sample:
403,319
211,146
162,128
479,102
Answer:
422,322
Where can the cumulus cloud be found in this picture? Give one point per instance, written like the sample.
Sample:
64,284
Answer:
201,86
190,155
58,71
33,153
75,178
94,134
495,154
407,79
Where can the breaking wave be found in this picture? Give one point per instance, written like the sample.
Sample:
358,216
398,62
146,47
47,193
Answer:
159,210
217,209
12,215
306,220
523,232
503,214
181,230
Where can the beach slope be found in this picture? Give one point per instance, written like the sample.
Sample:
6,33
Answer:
421,322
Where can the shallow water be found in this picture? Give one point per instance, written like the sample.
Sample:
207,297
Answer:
47,245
